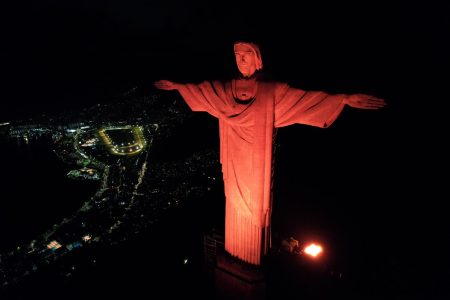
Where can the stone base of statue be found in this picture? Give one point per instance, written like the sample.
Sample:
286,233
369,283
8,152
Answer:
233,278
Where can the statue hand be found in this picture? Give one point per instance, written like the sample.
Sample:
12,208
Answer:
165,85
364,101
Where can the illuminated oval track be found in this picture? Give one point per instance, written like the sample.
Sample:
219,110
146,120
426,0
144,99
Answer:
123,140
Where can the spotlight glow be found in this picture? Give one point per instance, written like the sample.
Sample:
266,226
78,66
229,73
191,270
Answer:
313,250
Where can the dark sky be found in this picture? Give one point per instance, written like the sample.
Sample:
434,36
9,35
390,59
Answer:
54,54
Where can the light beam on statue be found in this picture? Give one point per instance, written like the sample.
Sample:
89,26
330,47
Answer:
250,110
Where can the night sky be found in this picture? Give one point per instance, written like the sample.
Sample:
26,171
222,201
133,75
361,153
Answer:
55,54
65,55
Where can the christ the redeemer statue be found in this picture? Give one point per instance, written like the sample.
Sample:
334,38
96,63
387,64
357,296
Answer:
249,111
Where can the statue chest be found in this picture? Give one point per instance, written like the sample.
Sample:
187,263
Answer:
244,90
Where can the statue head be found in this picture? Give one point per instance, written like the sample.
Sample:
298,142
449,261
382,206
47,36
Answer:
248,58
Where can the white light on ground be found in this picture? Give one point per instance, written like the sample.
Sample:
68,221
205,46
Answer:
86,238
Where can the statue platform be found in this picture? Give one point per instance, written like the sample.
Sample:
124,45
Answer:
233,278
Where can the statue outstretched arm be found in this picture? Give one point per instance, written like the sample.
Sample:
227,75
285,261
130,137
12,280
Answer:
206,96
166,85
364,101
316,108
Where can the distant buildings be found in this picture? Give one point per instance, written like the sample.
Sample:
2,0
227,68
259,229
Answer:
53,245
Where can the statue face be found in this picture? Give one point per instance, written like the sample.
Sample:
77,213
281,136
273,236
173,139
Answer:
245,59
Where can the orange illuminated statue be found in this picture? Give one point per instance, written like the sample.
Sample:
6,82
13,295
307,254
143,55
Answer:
249,111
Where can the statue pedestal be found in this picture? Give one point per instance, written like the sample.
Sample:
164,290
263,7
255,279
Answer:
234,279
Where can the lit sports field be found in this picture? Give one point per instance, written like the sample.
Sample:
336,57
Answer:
124,140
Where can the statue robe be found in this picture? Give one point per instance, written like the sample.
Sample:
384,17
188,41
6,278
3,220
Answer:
246,148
